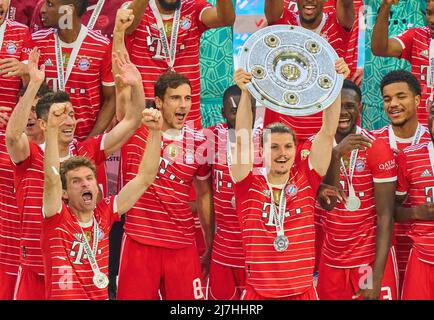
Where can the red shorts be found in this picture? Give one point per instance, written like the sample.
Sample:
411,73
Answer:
30,285
418,280
226,283
7,285
343,283
145,271
251,294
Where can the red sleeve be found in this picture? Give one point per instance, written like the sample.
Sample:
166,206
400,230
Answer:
92,149
106,211
303,150
200,6
406,40
381,161
56,220
241,190
312,176
21,168
402,185
27,45
106,68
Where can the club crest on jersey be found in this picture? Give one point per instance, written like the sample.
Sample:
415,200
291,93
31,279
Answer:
186,23
304,153
83,64
101,234
189,158
11,48
360,165
291,190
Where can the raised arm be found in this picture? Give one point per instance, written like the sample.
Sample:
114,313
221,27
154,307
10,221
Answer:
205,211
345,13
139,8
321,151
16,140
381,44
273,10
128,76
222,15
107,112
52,198
147,172
242,163
124,19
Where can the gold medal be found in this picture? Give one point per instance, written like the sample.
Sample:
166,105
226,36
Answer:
276,195
172,150
88,235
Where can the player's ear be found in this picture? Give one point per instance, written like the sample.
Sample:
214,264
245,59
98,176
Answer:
158,103
42,124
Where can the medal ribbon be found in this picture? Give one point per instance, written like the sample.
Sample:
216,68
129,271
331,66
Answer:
95,14
352,166
91,253
2,33
416,138
62,77
280,215
169,50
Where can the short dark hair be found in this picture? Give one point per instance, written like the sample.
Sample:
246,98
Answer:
80,5
402,76
169,79
349,85
235,91
43,90
44,104
277,127
72,164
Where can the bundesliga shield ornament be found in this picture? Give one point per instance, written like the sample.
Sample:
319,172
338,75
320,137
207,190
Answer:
100,280
293,70
281,243
353,203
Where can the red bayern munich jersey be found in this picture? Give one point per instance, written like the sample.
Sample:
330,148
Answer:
146,51
66,264
16,44
104,24
228,244
92,68
9,218
403,243
338,37
415,49
162,217
350,237
351,54
29,184
416,179
279,274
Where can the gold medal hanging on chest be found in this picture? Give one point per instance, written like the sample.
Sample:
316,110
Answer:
88,235
172,150
346,160
276,195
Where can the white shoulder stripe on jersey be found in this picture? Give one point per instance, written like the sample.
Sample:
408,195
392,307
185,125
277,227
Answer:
203,178
400,42
384,180
399,193
108,84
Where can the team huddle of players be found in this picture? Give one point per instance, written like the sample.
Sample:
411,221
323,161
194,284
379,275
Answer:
290,208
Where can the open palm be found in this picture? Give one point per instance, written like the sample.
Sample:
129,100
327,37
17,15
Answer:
128,72
36,74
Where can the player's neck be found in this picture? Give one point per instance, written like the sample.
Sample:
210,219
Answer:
277,179
83,217
170,132
70,35
37,138
63,150
162,10
408,130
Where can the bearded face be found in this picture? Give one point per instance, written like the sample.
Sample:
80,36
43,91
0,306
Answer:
170,5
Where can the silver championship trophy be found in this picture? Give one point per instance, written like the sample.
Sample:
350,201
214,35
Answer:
293,70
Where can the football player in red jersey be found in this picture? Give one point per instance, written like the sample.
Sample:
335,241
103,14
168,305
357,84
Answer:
275,208
165,35
413,45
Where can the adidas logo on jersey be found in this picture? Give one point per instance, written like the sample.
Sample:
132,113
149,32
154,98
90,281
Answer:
426,173
48,62
424,53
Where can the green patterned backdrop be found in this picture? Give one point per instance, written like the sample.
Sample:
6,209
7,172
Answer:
407,14
216,67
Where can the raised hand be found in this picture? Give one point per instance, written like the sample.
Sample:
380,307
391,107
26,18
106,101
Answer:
36,75
351,142
57,115
341,67
128,74
242,78
152,118
124,19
